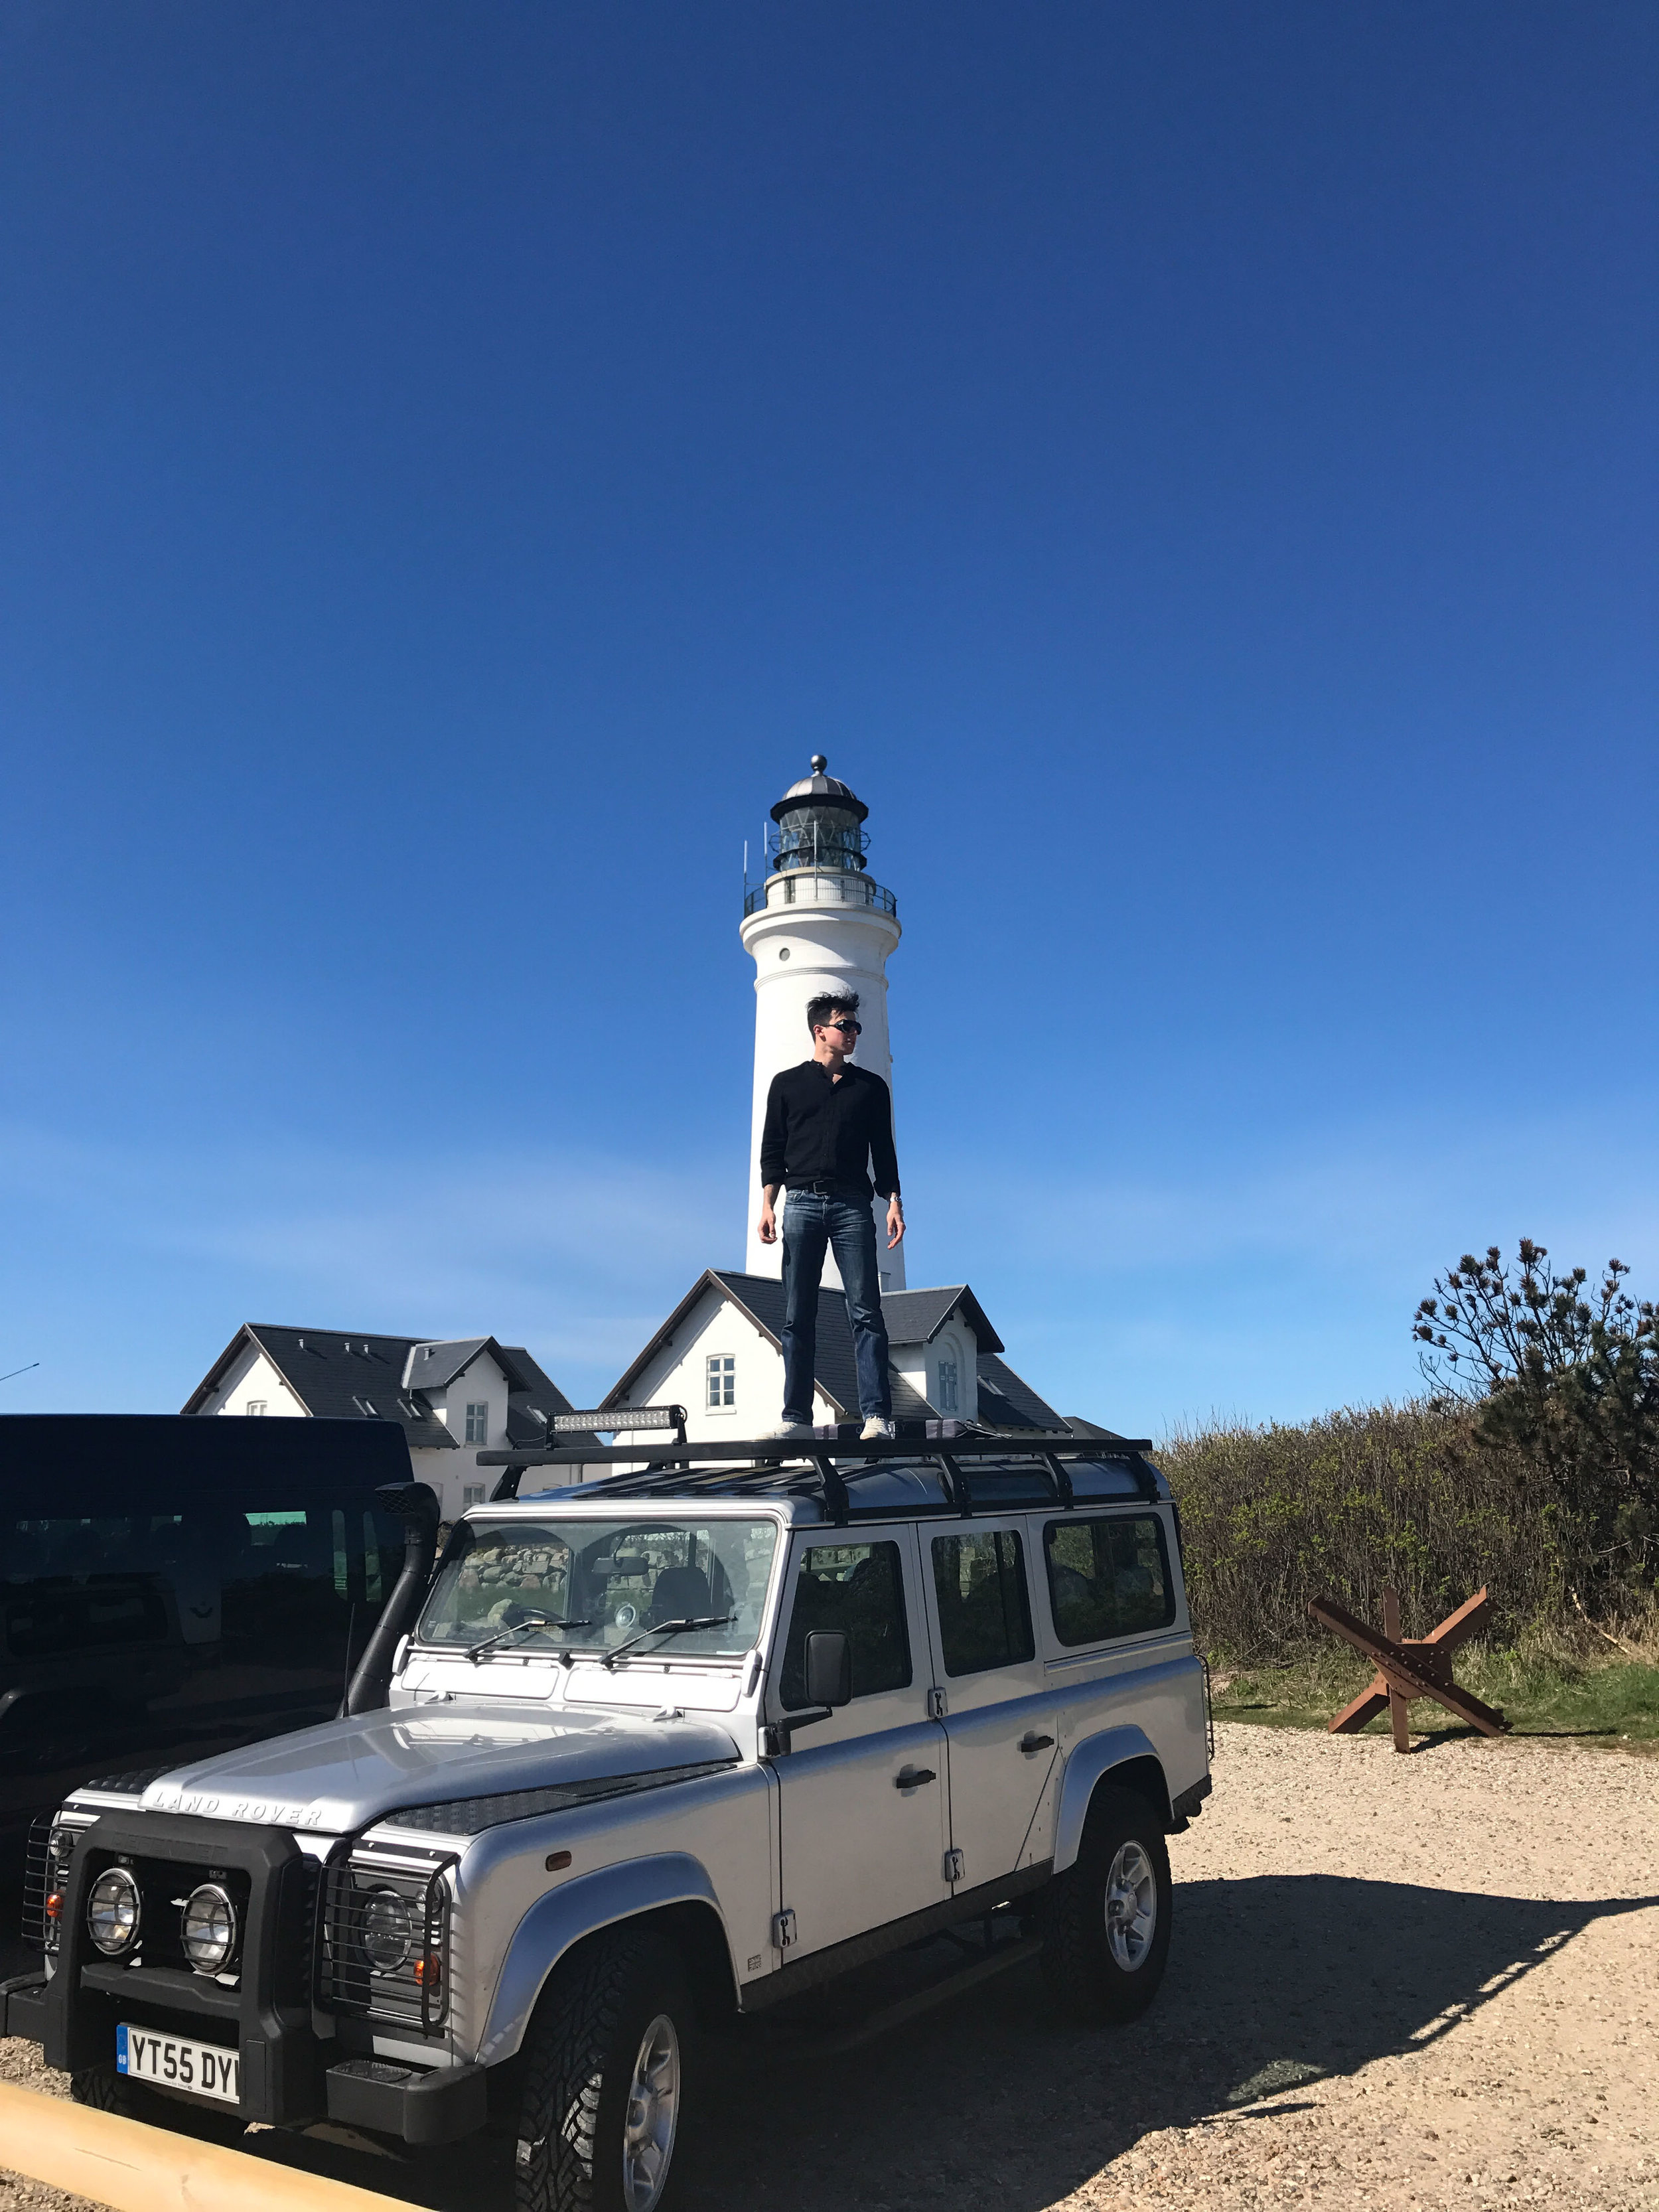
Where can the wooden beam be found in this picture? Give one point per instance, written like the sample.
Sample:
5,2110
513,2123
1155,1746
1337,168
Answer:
1366,1707
135,2168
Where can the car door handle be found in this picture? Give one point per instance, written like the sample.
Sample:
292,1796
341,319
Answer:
1035,1742
913,1776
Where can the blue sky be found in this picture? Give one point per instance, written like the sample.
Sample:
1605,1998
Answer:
1192,469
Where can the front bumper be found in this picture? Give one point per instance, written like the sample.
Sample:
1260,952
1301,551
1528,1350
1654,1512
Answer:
23,2007
438,2107
266,2015
289,2074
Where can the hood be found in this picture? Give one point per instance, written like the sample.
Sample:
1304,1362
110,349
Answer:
348,1773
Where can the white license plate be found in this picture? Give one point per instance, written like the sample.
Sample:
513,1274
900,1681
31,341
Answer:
207,2069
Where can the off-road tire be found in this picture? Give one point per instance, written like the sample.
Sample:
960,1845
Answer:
106,2091
579,2055
1077,1963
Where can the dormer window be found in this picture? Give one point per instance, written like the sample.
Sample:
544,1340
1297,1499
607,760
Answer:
947,1386
477,1424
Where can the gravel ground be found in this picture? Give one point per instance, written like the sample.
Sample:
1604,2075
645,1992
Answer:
1396,1983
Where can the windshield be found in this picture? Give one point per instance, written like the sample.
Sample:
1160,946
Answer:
609,1580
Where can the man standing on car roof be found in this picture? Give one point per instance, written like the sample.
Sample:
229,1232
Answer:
827,1124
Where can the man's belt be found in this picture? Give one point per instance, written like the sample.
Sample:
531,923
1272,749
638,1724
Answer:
825,1189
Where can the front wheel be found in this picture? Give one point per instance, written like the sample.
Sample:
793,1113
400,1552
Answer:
1105,1921
605,2069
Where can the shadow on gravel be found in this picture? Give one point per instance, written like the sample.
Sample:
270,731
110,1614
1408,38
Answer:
990,2101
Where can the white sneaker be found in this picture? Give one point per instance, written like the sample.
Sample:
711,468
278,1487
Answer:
790,1430
878,1431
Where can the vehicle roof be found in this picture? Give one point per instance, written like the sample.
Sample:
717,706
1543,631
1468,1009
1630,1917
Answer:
903,1487
118,1462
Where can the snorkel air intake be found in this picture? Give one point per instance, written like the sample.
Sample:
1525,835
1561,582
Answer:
416,1504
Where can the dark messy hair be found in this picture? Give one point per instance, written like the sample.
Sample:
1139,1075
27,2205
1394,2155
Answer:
819,1010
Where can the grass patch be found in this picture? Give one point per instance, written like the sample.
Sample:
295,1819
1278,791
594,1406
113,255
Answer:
1543,1689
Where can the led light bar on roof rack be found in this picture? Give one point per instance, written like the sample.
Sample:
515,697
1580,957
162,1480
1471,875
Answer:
646,1420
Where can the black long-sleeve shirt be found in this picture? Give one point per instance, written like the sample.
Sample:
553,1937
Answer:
817,1130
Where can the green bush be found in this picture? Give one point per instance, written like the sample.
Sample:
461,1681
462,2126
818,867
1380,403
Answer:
1337,1507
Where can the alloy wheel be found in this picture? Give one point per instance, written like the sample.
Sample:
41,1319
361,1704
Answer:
653,2107
1131,1906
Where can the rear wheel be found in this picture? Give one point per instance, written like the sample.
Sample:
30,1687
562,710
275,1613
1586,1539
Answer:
605,2069
106,2091
1105,1921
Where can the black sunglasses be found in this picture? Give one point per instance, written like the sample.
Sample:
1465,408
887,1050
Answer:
851,1028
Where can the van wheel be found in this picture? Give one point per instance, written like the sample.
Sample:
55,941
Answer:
106,2091
1105,1921
605,2067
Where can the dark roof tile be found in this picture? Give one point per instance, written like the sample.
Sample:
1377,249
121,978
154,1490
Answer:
342,1374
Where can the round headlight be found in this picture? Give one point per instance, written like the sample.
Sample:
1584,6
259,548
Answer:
207,1930
387,1929
113,1909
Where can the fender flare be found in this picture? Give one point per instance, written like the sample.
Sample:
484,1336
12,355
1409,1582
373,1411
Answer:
1086,1763
572,1911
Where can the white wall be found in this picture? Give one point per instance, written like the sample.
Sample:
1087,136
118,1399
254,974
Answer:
955,1342
678,1375
918,1364
452,1472
251,1380
825,940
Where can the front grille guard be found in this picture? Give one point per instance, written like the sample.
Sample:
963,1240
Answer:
414,1992
51,1846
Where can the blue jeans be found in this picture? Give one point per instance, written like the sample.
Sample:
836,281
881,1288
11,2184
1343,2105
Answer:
812,1222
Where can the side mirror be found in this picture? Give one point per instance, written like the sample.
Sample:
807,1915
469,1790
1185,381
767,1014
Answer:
828,1668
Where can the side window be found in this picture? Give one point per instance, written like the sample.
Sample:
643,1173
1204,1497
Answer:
477,1422
984,1617
1109,1577
71,1586
281,1601
859,1587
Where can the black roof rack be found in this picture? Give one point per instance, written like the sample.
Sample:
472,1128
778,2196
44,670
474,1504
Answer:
824,1467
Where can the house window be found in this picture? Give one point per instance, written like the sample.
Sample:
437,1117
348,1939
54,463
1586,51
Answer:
477,1424
259,1405
472,1494
722,1382
947,1386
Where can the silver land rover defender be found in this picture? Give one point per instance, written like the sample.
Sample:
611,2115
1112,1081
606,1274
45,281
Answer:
640,1756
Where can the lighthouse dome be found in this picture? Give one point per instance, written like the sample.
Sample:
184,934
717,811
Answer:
819,790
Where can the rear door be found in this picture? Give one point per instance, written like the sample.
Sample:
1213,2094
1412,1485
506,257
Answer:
1000,1708
862,1795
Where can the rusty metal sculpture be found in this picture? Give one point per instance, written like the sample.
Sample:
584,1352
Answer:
1408,1666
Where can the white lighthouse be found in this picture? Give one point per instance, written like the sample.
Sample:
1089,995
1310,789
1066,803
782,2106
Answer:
816,922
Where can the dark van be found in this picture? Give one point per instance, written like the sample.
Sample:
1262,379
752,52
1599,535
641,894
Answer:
172,1586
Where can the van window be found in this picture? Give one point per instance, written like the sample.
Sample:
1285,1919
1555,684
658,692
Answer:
859,1587
1108,1577
984,1616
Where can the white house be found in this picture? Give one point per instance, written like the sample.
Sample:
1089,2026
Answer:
454,1397
718,1355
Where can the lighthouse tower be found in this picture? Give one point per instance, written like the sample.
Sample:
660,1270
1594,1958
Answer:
816,922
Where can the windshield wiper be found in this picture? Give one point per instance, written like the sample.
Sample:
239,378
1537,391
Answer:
664,1628
529,1618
